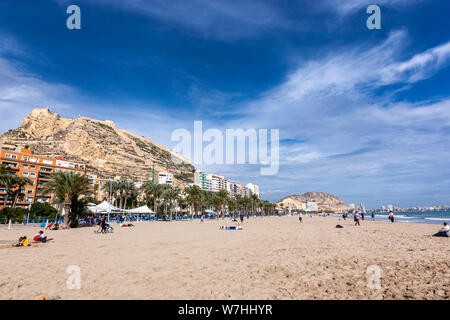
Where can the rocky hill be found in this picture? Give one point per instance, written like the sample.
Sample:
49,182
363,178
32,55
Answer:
106,150
325,201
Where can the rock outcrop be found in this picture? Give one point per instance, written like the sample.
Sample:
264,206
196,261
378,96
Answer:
106,150
325,201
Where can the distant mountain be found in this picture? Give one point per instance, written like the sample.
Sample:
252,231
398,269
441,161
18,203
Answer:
106,150
324,201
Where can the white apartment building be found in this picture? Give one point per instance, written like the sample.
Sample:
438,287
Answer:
254,189
311,206
215,183
165,178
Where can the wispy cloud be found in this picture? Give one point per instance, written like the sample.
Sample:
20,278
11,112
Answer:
345,7
223,20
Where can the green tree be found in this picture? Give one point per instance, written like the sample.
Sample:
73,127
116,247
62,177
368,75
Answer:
155,190
193,195
42,210
67,188
18,187
171,194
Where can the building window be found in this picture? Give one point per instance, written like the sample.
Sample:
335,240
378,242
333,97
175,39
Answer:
25,158
32,175
10,164
47,161
25,174
32,168
11,156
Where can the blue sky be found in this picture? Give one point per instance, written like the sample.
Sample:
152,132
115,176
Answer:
363,114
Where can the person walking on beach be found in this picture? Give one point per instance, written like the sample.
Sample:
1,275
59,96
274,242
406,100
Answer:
356,218
391,216
373,216
103,225
344,215
300,216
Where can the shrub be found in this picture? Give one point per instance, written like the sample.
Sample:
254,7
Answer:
15,214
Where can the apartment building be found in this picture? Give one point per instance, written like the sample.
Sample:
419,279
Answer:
165,178
215,183
254,189
36,168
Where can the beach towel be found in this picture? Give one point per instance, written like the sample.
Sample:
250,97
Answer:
231,228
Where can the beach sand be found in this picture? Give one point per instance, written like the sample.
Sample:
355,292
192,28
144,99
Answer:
271,258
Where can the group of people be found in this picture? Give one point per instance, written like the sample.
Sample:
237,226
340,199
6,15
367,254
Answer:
53,226
39,237
102,226
357,217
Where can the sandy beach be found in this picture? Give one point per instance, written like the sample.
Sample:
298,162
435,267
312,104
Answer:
271,258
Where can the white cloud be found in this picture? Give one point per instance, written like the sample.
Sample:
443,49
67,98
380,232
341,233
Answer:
345,7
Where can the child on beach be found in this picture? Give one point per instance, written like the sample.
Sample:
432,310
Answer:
356,217
23,242
391,216
40,237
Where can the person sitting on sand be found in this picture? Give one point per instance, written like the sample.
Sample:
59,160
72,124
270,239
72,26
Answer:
444,231
126,225
50,226
40,237
23,242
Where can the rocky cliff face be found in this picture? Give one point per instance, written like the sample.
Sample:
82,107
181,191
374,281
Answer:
325,201
106,150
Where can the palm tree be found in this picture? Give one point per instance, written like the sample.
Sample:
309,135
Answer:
19,184
223,195
193,194
171,194
113,188
7,181
231,204
134,194
164,196
67,187
155,190
254,198
127,187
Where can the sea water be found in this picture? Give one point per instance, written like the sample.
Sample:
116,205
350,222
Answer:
433,217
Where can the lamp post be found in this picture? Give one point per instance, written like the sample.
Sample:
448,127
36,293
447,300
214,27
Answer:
110,195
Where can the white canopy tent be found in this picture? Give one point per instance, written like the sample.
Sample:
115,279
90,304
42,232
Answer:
140,210
105,207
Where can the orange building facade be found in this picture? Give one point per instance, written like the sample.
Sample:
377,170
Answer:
36,168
